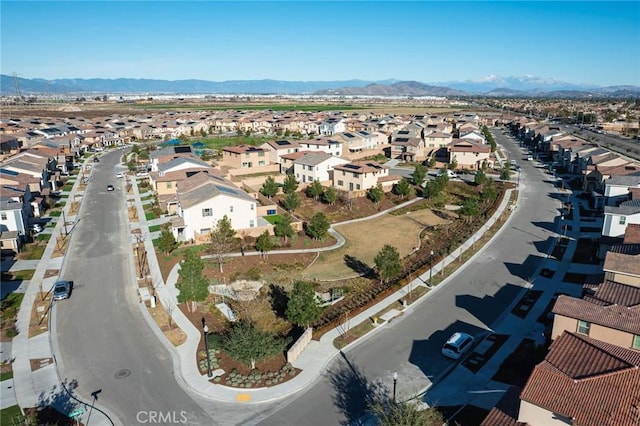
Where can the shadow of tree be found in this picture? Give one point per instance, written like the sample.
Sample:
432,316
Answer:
356,264
354,393
279,299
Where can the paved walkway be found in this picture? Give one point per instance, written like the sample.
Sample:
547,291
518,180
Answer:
30,385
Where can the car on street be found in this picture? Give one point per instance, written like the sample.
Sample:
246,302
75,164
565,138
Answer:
450,173
61,290
119,175
457,345
36,228
110,188
96,160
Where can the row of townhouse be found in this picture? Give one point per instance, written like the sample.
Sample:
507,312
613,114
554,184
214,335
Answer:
591,373
26,179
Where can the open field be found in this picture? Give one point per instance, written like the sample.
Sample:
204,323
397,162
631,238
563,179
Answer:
366,238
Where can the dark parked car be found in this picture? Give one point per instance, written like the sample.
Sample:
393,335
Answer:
61,290
96,160
110,188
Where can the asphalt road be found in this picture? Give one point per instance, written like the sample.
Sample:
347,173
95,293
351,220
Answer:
411,344
625,146
103,342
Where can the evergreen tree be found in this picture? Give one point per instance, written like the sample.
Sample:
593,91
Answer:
315,190
221,239
291,201
269,187
264,244
376,194
302,307
419,174
283,228
388,263
318,227
191,282
290,184
402,188
330,195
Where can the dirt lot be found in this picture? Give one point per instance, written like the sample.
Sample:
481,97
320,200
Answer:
366,238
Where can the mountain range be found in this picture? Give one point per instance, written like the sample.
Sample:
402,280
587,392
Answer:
526,86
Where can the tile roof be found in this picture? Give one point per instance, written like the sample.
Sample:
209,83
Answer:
313,158
591,382
611,292
632,233
625,208
623,258
612,316
202,187
505,413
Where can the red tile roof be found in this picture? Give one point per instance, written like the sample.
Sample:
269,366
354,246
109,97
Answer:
505,413
612,316
592,382
632,234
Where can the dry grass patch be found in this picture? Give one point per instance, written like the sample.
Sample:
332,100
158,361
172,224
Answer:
39,320
174,333
366,238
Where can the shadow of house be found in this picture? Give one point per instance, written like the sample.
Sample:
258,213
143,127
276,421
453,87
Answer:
489,308
526,269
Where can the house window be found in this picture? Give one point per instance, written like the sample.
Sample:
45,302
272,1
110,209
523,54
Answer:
310,178
636,342
205,230
260,153
623,220
253,206
583,327
207,212
271,212
350,186
169,185
230,209
251,225
261,163
340,183
357,186
3,216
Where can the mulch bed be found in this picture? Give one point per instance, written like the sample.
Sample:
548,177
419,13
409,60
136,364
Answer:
526,303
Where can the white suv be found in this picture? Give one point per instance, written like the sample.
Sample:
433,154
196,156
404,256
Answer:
450,173
457,345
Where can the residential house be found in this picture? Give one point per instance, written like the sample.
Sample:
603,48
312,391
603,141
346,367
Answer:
245,157
622,262
169,153
330,146
33,163
583,381
616,218
611,315
14,216
617,188
407,149
473,136
278,148
469,155
436,141
331,126
316,166
360,140
358,176
204,199
9,144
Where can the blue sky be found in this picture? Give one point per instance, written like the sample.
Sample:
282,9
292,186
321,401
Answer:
579,42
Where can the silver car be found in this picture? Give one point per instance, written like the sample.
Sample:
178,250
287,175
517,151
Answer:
61,290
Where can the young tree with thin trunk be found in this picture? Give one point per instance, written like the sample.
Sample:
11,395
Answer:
302,307
221,240
376,193
269,187
290,184
402,188
419,174
264,244
318,226
291,201
315,190
330,195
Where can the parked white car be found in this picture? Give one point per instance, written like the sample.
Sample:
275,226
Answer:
457,345
450,173
119,175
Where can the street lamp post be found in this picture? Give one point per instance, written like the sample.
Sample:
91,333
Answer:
430,266
395,382
562,224
205,330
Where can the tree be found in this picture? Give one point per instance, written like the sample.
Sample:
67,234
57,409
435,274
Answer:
489,192
245,343
291,201
388,263
402,188
290,184
330,195
221,239
269,187
432,161
167,242
264,244
191,282
405,414
505,173
283,228
318,226
302,307
470,207
376,193
419,173
453,164
315,190
481,177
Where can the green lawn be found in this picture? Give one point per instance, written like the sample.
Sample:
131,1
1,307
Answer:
149,215
273,219
11,416
43,237
154,228
23,275
6,375
35,252
55,213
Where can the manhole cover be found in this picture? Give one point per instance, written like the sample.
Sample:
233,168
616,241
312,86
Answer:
121,374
